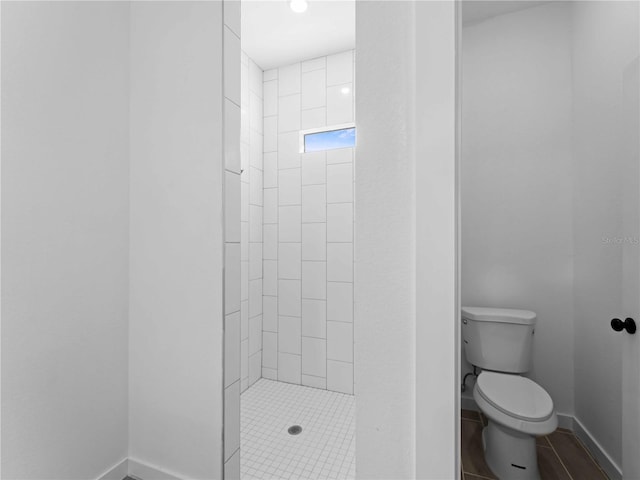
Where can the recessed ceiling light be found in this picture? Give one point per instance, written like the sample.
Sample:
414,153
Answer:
344,90
298,6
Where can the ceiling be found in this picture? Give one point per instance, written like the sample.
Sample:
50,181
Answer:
475,11
273,35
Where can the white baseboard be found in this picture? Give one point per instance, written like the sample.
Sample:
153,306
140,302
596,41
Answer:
117,472
607,464
144,471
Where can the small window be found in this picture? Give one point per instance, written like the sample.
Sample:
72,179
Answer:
328,138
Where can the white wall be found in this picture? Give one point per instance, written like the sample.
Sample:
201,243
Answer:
599,64
516,180
385,239
308,227
252,215
65,238
402,78
176,241
436,190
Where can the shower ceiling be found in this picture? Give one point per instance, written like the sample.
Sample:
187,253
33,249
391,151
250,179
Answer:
273,35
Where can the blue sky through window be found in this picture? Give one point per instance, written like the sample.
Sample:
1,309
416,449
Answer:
343,138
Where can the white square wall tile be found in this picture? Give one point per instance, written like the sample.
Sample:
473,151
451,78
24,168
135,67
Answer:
270,172
313,118
268,75
289,79
244,241
245,153
244,381
231,66
244,319
340,222
313,64
314,168
270,141
289,367
270,314
255,186
289,189
270,245
340,262
244,280
244,126
255,297
314,241
314,90
255,334
340,341
231,348
339,301
289,150
289,261
314,322
314,280
244,360
255,367
270,373
232,466
255,223
231,207
270,277
270,214
255,149
232,278
314,356
270,94
289,113
269,350
340,68
255,78
289,334
339,155
339,104
314,203
315,382
340,183
231,419
231,136
289,298
255,261
340,376
256,119
289,226
232,18
244,200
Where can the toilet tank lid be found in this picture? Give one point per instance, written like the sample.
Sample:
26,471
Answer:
501,315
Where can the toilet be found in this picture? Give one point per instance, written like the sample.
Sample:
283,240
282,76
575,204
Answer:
499,342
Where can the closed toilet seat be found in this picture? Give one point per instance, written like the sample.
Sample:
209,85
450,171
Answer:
515,402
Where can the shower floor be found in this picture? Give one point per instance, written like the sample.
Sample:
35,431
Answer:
325,449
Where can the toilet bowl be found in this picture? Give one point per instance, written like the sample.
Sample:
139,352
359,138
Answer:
518,410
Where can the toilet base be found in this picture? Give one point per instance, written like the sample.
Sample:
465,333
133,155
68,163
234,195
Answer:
510,455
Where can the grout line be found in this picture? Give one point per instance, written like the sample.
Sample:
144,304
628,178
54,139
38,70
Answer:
560,460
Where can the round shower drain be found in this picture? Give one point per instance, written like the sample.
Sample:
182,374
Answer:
294,429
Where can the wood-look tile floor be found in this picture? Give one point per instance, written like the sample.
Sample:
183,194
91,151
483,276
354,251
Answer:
561,455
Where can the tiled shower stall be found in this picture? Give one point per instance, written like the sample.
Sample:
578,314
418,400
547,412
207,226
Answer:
296,310
289,258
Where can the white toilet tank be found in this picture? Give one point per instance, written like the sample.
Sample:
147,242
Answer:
498,339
